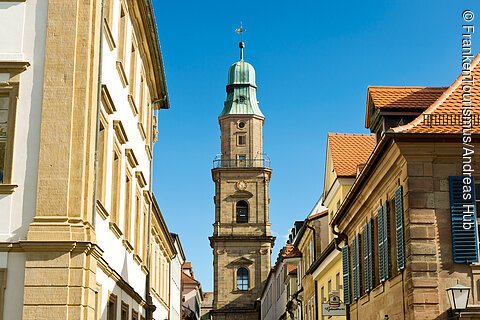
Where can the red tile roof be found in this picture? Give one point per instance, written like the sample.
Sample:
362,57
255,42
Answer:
349,150
317,215
291,251
385,97
186,279
445,115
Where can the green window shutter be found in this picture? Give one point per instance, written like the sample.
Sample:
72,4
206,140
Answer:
358,266
399,228
369,241
346,275
355,268
381,255
366,257
386,242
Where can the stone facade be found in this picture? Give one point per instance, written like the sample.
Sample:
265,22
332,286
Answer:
241,241
419,290
81,235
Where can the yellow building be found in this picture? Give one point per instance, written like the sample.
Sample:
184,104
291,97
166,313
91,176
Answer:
80,234
345,156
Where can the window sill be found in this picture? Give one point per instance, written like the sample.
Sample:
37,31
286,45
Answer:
137,259
7,188
116,230
109,36
121,73
378,290
133,106
141,129
236,291
102,212
364,299
127,245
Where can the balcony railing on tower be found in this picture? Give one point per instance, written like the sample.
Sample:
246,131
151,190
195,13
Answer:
242,162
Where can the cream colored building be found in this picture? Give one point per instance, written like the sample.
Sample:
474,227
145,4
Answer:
345,156
81,234
407,235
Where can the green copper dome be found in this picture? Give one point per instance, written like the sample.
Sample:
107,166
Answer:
241,89
241,72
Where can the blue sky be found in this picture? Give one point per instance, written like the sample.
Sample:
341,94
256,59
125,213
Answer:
314,61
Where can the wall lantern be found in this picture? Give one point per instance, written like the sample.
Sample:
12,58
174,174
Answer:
458,296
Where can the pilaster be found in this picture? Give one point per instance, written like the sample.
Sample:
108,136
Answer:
64,207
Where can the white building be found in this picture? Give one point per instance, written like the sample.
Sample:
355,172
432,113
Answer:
81,235
192,294
176,279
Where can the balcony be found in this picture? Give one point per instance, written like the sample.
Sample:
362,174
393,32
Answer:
263,162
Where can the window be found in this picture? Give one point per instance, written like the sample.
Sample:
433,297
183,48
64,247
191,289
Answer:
375,253
4,107
112,307
116,170
242,140
134,315
346,274
108,12
384,241
337,281
101,164
242,279
393,240
124,314
242,211
138,222
133,71
7,123
122,32
128,205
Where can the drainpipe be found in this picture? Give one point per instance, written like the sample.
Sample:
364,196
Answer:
316,299
97,136
314,244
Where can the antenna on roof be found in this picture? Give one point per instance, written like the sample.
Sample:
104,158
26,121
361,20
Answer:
240,30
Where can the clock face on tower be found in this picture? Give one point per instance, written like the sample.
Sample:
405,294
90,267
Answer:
241,185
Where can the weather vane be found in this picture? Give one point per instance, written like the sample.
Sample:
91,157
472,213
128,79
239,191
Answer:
240,30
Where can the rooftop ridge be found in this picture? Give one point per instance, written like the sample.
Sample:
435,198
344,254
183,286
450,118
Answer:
437,104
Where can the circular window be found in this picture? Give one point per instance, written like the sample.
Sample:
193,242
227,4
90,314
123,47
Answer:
241,124
241,99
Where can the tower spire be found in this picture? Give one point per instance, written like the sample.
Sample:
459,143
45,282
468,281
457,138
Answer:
240,30
241,45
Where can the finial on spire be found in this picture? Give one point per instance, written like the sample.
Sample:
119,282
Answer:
240,30
241,45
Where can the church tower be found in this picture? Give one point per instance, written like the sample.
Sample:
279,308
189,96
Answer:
241,241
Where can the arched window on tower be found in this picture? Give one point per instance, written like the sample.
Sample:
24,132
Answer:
242,211
242,279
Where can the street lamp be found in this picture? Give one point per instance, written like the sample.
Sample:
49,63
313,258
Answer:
458,297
